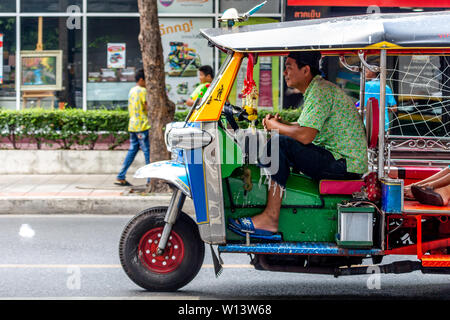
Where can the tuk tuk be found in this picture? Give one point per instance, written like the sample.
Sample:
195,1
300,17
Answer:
327,226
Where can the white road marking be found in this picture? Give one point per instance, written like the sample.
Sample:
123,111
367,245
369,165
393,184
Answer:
174,297
101,266
24,216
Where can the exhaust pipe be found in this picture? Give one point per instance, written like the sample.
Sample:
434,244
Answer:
261,263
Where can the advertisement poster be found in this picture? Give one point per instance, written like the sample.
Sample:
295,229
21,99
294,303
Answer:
185,6
116,55
185,50
1,58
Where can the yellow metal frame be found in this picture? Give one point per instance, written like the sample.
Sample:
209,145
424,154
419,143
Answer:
211,108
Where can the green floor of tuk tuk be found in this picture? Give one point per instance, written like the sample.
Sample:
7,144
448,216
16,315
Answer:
305,214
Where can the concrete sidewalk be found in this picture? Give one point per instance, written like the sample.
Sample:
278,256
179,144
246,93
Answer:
68,194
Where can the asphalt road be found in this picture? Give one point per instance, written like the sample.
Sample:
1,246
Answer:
76,257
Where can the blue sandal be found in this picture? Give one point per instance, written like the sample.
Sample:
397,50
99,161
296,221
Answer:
244,226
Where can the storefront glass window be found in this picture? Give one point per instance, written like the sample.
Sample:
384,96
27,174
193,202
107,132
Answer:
112,6
7,63
55,71
8,6
113,57
51,5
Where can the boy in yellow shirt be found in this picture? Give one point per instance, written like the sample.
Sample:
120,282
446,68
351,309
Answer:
138,127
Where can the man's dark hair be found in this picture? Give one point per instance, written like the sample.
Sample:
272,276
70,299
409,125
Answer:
139,75
207,70
307,58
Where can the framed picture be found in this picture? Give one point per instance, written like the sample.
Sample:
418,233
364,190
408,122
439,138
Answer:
41,70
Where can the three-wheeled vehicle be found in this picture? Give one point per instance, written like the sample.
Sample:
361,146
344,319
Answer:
325,227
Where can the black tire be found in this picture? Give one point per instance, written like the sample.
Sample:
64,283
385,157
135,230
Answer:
137,264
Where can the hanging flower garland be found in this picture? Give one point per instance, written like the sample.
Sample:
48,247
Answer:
250,93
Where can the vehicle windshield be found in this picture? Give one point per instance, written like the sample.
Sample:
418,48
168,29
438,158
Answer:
216,79
200,102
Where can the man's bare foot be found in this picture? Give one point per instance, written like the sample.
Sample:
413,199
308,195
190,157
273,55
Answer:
266,221
408,193
444,192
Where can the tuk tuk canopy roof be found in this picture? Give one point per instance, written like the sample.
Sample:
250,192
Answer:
373,31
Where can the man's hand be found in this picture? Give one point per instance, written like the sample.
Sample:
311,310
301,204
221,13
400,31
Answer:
271,122
304,135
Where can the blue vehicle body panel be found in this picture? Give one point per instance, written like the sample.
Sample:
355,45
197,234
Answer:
195,174
197,181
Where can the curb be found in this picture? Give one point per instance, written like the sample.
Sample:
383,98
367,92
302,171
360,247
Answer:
120,205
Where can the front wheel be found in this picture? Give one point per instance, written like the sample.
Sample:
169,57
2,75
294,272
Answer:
176,267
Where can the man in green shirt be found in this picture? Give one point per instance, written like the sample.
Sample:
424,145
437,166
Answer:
328,141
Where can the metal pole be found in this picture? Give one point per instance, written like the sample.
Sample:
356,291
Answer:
39,45
18,57
281,63
382,104
362,91
84,55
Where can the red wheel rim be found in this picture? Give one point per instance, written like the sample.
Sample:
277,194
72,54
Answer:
166,262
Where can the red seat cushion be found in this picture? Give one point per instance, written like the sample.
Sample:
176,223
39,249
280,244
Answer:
372,123
340,186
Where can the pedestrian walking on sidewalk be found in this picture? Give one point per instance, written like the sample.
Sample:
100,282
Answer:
138,127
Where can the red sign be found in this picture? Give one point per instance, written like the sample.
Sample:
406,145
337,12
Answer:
367,3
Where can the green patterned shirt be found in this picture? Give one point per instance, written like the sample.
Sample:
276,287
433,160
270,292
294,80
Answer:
329,110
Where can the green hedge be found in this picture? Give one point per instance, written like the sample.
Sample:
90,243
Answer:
290,115
72,127
65,128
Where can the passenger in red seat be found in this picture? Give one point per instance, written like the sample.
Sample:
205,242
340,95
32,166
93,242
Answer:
328,141
434,190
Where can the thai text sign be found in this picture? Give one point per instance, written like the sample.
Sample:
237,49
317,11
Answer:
367,3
